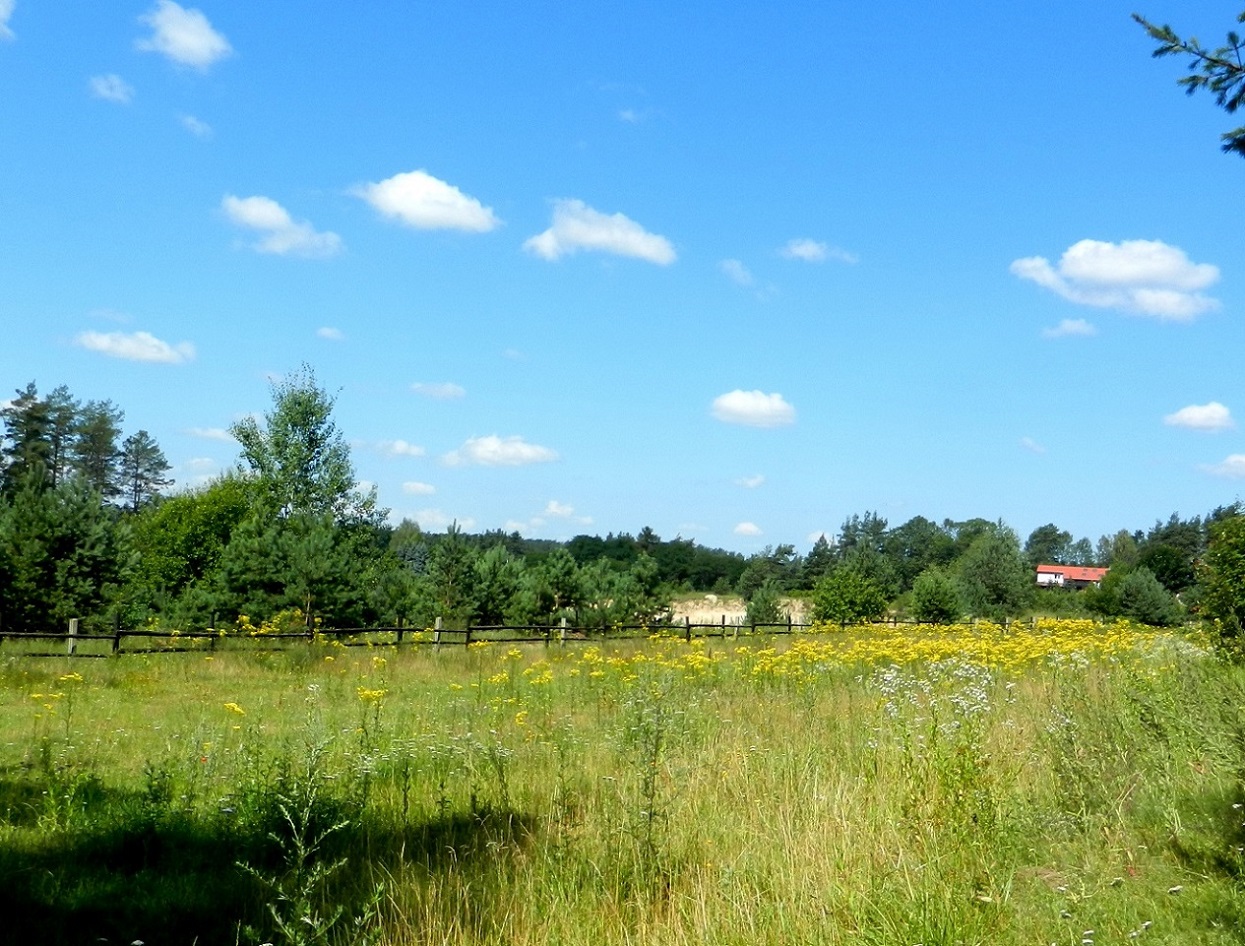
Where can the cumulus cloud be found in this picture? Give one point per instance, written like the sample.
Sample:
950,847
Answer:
330,334
1070,328
736,272
415,488
814,251
210,433
559,510
111,88
419,200
439,390
400,448
6,11
753,409
1142,277
1212,417
750,482
498,451
281,234
184,36
576,226
747,528
136,346
1032,445
1233,467
197,127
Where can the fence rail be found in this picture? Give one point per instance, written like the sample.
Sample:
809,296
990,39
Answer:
437,636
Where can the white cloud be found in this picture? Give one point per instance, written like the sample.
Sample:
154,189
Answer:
328,333
1143,277
6,11
417,199
435,519
199,464
498,451
400,448
210,433
747,528
184,36
1032,445
559,510
576,226
439,390
1233,466
415,488
281,234
750,482
814,251
736,272
1070,328
630,116
753,409
111,88
136,346
197,127
1213,416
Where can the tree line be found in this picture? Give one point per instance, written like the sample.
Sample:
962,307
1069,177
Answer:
89,529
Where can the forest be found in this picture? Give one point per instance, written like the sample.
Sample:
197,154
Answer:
93,527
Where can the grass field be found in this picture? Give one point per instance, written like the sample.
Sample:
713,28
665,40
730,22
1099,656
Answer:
1076,784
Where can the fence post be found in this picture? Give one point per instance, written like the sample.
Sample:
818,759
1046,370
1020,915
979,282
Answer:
562,633
116,639
436,635
467,635
687,630
399,629
788,622
72,643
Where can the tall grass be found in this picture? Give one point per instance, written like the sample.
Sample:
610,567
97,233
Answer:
961,787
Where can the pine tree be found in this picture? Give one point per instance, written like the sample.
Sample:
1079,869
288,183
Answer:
96,457
25,447
142,470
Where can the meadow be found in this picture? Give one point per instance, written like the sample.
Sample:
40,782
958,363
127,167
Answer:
1070,783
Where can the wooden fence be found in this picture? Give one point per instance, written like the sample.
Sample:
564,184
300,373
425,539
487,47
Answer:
75,644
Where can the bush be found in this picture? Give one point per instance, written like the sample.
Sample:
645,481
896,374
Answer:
1143,598
936,598
765,606
847,597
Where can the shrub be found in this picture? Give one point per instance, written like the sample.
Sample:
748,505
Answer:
936,597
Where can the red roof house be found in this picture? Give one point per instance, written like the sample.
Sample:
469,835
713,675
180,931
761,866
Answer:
1069,576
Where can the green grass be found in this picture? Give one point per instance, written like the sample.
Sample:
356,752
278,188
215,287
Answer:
546,795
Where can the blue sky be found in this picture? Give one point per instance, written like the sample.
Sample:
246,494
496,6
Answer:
731,271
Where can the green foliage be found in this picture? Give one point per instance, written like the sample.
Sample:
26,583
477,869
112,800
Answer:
141,472
299,458
180,540
995,579
1048,545
1143,598
62,555
936,598
765,606
1219,71
95,454
848,595
497,578
1222,578
915,546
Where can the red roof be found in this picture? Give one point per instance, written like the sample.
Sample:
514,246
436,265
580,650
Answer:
1074,572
